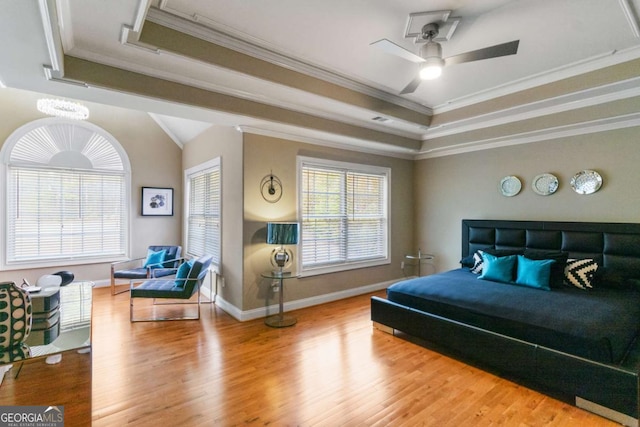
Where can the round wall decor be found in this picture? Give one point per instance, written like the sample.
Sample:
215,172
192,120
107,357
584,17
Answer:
586,182
510,186
271,188
545,184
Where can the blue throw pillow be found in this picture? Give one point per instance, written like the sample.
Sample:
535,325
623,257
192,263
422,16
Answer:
183,273
534,273
154,258
498,269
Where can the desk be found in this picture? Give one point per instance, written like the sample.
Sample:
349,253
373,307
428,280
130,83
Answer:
280,320
57,373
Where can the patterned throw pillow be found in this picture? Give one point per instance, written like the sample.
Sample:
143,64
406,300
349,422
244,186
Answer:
477,263
580,272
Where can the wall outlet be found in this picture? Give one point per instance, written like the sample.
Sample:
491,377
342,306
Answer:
402,265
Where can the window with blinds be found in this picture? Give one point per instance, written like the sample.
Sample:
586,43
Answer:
204,210
58,214
66,194
344,215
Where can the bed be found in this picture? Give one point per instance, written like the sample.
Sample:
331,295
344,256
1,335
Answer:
572,334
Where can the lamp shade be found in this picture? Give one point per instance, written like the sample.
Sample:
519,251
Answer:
282,233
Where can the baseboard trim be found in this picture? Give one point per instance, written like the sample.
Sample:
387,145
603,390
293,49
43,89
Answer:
258,313
609,413
102,283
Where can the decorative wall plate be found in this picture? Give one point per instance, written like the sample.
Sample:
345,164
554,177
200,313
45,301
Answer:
545,184
510,186
586,182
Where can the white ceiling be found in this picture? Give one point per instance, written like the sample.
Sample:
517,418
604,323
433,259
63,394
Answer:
328,39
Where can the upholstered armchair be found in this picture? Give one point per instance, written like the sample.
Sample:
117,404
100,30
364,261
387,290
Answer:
173,291
161,261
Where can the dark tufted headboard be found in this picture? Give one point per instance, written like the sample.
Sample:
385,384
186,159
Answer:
615,246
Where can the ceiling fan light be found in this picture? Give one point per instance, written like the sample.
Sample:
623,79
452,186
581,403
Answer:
432,69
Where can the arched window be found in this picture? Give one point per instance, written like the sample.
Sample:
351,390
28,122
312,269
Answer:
66,192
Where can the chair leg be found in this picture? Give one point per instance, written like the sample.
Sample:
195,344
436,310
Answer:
113,288
132,319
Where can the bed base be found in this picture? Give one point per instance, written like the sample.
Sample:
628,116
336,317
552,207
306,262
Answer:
607,390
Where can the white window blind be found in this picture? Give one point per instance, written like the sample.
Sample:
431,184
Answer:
64,214
203,222
344,215
67,195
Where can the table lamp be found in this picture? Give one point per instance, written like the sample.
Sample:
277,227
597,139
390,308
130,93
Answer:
282,233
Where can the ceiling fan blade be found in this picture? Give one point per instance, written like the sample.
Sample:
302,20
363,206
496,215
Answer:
504,49
412,86
390,47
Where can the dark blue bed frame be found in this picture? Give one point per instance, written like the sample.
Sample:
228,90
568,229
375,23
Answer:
608,390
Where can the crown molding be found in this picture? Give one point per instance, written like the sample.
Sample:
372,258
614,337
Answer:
344,143
174,77
65,25
48,14
571,101
209,30
141,13
583,128
571,70
632,18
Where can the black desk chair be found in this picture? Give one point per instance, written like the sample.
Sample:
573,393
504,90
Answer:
138,269
187,282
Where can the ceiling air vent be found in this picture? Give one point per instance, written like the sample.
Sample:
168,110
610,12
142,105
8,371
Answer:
381,119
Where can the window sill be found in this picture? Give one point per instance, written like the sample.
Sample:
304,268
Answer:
316,271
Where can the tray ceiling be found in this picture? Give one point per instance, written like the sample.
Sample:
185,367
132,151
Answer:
306,68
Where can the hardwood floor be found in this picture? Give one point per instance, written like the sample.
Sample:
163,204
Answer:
331,369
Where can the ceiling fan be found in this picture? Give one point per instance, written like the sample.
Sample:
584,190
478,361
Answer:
430,55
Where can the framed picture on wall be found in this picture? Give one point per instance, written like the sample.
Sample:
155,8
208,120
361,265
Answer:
157,201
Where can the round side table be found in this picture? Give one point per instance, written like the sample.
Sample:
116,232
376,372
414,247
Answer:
280,320
419,257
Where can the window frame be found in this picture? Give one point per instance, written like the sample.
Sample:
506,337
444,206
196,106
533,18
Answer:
6,167
200,169
346,265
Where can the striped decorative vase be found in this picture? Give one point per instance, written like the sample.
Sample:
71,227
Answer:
14,354
15,316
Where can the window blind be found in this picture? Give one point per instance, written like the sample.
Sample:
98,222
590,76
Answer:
203,224
344,216
65,214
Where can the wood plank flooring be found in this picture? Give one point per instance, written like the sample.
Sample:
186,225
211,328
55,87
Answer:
331,369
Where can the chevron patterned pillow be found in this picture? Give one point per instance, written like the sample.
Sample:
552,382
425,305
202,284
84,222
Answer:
580,272
477,262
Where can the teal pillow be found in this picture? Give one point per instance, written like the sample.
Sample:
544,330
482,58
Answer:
534,273
154,258
498,269
183,273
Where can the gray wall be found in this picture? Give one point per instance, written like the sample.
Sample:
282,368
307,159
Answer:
448,189
226,143
265,154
